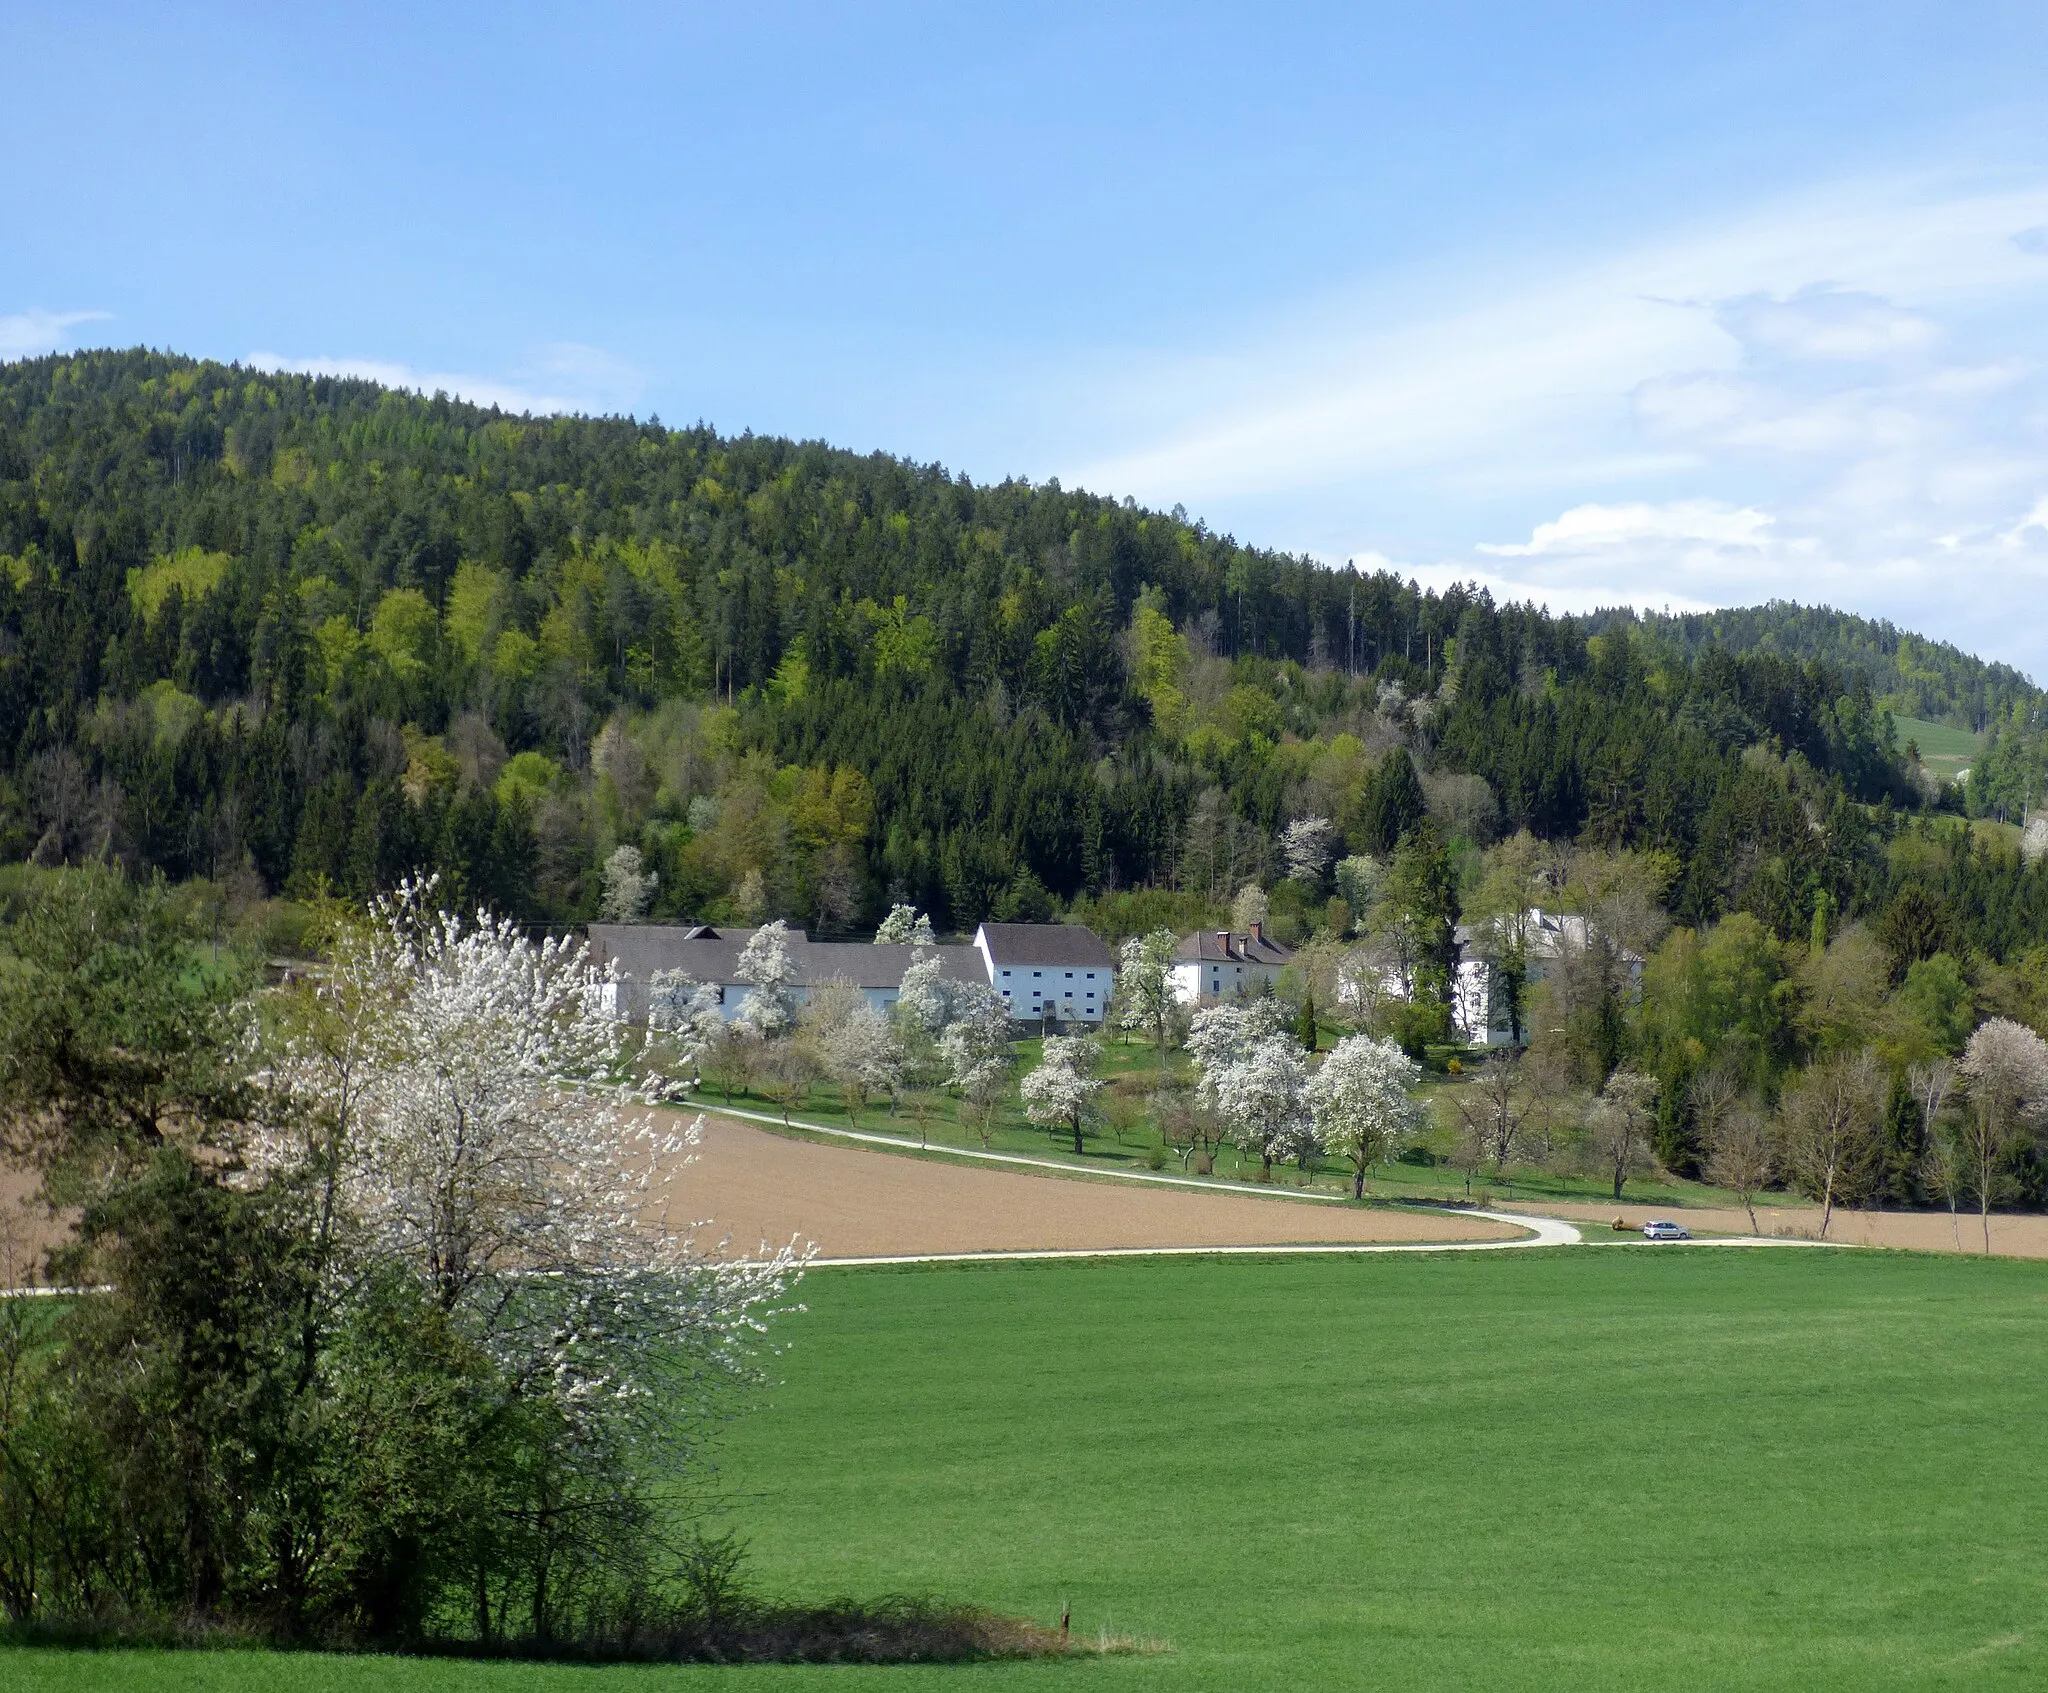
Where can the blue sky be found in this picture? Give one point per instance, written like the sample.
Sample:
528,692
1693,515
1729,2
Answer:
1687,305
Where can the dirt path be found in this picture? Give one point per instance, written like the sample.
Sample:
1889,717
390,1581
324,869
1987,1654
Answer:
2024,1236
855,1203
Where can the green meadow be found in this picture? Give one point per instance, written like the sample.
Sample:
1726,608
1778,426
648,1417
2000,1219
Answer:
1618,1468
1944,748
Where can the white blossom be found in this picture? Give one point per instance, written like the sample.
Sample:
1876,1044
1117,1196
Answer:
862,1050
1061,1091
926,998
686,1014
1144,983
766,966
1253,1072
1305,845
447,1093
976,1043
628,886
1359,1100
904,926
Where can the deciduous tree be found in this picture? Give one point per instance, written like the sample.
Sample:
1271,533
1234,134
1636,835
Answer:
1061,1091
1359,1100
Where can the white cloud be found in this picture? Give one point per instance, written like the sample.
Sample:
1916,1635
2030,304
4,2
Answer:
1841,397
560,376
26,334
1590,527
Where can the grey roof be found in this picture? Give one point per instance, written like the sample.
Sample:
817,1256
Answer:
1066,944
1221,946
711,955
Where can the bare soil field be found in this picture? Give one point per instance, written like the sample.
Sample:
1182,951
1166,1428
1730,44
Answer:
2012,1236
757,1186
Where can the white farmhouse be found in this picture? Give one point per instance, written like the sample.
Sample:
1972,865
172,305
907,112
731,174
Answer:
710,954
1042,970
1218,964
1048,970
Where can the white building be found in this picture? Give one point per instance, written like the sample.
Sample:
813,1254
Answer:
1042,970
1479,998
711,954
1219,964
1047,970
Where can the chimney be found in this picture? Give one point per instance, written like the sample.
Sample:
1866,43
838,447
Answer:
1223,942
1259,931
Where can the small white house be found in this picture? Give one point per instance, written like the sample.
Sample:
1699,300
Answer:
1218,964
1048,970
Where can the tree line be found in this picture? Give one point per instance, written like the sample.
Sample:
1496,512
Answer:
301,635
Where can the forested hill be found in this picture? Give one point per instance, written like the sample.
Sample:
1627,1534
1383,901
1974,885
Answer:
1911,675
298,632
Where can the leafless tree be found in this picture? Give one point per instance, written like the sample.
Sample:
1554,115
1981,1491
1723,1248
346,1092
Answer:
734,1057
1494,1107
1740,1154
1828,1125
1619,1125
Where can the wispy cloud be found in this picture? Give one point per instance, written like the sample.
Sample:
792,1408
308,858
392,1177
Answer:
1843,395
558,376
25,334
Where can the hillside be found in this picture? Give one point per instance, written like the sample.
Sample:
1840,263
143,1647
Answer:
1910,675
294,633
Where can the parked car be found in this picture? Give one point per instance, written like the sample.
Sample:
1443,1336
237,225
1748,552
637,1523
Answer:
1657,1229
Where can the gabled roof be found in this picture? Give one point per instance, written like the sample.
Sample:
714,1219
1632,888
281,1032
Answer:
712,955
1066,944
1222,946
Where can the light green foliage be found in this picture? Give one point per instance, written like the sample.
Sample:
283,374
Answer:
1159,663
472,599
903,643
1937,998
194,572
172,712
1725,992
403,632
528,776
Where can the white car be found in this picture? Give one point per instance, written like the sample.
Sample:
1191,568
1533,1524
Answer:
1657,1229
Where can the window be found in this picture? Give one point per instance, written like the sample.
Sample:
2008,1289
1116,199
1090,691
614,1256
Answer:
1036,974
1070,975
1006,972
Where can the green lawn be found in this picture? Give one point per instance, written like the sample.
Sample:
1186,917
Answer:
1617,1469
1942,747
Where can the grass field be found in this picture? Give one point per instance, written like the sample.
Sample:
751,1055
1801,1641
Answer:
1127,1147
1588,1469
1944,750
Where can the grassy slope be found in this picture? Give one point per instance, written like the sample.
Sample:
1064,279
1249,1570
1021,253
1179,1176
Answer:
1621,1468
1942,746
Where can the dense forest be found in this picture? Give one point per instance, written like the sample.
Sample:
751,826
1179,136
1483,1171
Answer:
1910,674
293,633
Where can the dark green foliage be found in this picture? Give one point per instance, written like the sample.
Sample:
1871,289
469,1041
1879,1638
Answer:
1916,926
291,627
1907,673
1391,805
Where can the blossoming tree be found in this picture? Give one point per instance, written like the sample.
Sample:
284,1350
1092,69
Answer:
1359,1100
447,1097
1061,1092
